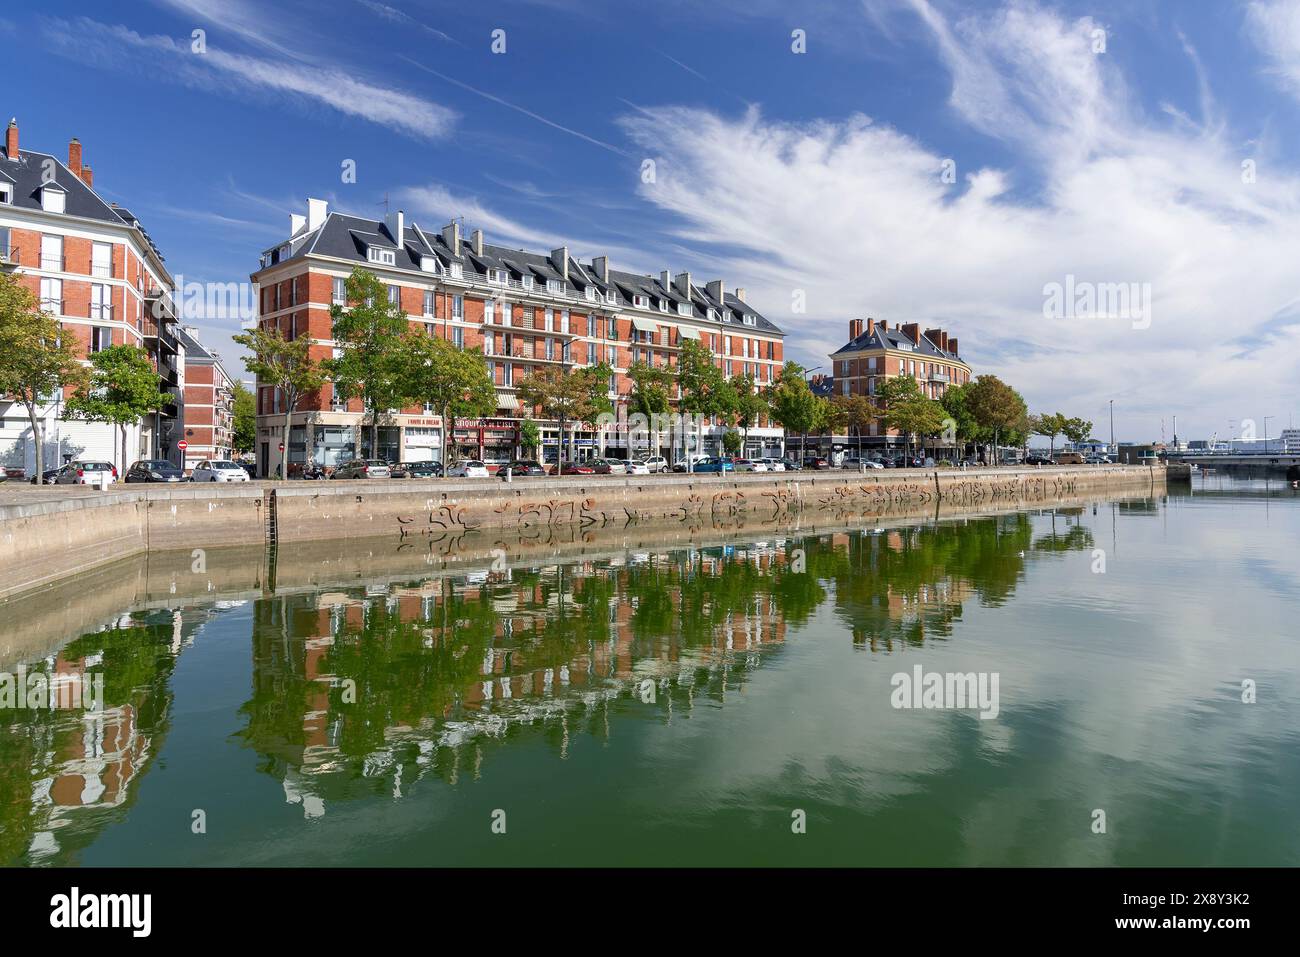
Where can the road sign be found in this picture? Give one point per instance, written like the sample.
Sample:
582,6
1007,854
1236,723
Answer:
182,445
281,446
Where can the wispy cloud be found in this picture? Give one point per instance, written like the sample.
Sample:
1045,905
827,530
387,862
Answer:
393,15
518,109
219,70
856,215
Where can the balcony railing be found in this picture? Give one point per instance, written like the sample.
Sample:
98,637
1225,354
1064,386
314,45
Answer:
53,263
52,305
104,312
939,377
100,271
9,257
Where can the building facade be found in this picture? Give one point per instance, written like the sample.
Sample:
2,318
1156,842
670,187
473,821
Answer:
95,269
874,353
209,409
525,310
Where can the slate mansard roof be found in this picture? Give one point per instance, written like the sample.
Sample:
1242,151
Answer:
895,339
346,237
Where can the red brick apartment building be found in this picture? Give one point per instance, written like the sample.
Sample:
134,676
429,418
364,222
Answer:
874,353
525,310
209,402
95,269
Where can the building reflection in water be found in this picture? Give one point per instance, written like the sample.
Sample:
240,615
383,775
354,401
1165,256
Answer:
364,691
367,692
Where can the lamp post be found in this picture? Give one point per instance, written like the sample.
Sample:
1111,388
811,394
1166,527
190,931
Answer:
1113,450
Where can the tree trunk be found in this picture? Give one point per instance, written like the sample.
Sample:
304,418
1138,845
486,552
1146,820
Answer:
122,428
39,436
284,456
442,441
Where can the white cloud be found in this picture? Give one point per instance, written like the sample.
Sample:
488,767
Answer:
1275,27
220,70
856,214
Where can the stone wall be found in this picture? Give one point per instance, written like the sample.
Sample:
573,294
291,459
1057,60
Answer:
49,534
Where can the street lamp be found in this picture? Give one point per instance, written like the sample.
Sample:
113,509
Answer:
1113,450
1266,418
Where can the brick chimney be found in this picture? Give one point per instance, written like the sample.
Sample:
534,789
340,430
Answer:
11,139
934,335
601,266
855,329
913,331
952,347
88,176
884,325
740,293
74,157
871,326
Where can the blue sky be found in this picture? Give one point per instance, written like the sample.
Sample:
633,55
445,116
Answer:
812,177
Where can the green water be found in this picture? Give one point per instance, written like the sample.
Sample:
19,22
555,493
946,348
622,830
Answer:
689,706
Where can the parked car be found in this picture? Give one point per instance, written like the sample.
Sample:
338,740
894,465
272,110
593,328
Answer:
572,468
715,464
1096,460
14,473
154,470
656,463
47,477
84,473
1037,460
468,468
857,464
218,470
695,459
638,467
816,462
748,465
608,466
1069,458
792,465
426,469
251,469
522,468
363,469
774,465
398,470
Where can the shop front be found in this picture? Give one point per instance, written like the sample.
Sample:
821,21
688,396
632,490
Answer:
493,441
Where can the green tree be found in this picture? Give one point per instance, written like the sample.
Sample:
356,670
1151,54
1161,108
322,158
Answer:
124,388
245,419
453,382
996,407
750,404
705,390
650,396
287,365
35,361
955,403
857,412
1077,430
793,404
1049,425
568,396
530,438
371,332
732,442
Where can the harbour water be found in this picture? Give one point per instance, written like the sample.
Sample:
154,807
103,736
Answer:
707,704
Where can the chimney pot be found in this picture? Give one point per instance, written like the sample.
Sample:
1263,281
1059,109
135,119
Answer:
884,325
952,344
871,326
88,176
740,293
601,265
74,157
451,236
716,289
855,329
11,139
476,242
317,210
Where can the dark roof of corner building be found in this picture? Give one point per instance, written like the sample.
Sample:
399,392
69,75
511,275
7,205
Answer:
26,172
894,339
343,236
194,350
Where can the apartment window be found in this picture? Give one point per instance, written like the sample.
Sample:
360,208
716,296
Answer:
275,295
726,345
53,200
384,257
52,295
729,372
744,344
564,320
428,329
613,384
489,310
394,296
101,260
458,337
550,349
507,374
566,352
548,319
749,320
555,286
101,302
611,355
590,293
337,402
458,307
340,297
293,291
489,343
507,314
684,309
101,337
663,305
5,252
6,193
844,387
526,282
591,353
52,253
428,302
457,270
641,302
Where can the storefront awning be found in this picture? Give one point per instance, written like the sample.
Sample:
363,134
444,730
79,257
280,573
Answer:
686,332
507,401
642,324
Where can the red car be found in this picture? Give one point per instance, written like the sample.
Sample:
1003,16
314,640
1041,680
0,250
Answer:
572,468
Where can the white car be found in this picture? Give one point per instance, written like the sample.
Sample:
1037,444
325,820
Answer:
656,463
468,468
774,465
750,465
218,470
638,467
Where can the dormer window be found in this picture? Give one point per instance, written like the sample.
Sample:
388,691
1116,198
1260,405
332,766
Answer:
53,198
527,282
457,271
7,193
684,309
641,302
713,315
590,293
429,264
663,305
749,320
384,257
611,298
554,286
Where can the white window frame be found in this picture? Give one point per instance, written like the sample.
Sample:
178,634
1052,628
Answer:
53,200
384,257
104,269
458,308
339,291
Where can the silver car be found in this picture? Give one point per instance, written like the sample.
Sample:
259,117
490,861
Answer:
218,470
